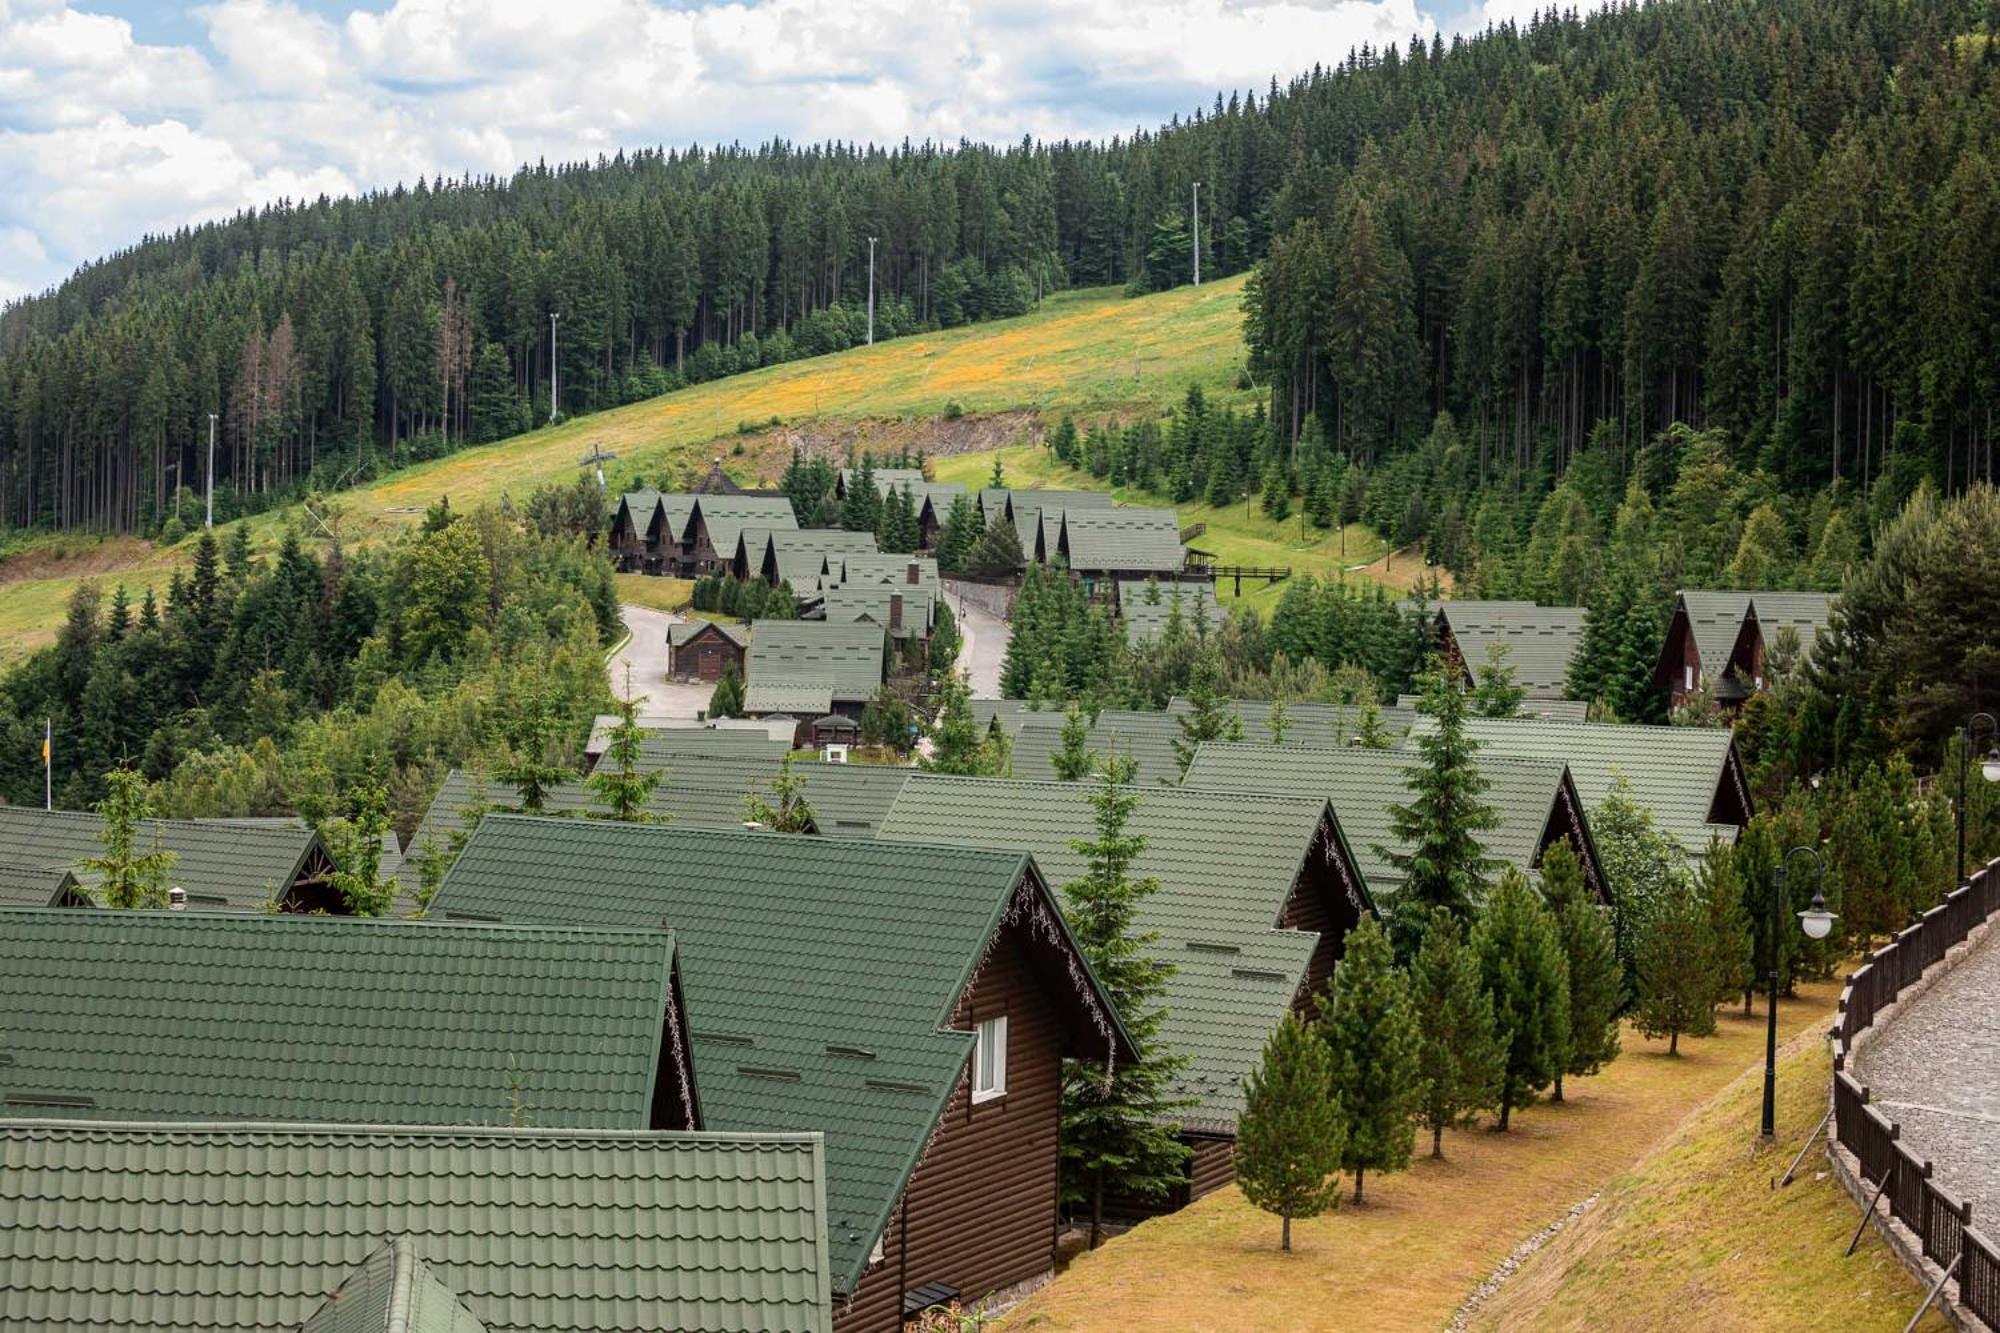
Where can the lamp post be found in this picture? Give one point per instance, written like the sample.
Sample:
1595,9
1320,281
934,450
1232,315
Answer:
1989,768
1817,923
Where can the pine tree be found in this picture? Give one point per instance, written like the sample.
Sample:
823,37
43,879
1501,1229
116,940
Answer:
1277,722
998,550
534,764
727,698
1290,1136
1277,492
862,511
1460,1059
1370,1027
786,809
128,879
1118,1132
1499,692
1442,857
1719,884
617,784
1522,969
1205,720
1074,760
956,744
1676,962
957,535
1590,954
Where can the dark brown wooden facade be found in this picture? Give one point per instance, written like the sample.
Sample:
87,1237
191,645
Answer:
979,1213
1567,824
705,654
1682,671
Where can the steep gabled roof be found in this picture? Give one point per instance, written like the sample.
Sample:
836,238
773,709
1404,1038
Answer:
1122,540
1226,863
134,1228
1144,736
38,886
821,973
637,509
1307,722
240,1016
885,477
1689,777
801,554
883,567
844,660
1362,784
393,1291
1540,640
726,516
1805,612
1715,619
848,602
233,865
1554,710
681,632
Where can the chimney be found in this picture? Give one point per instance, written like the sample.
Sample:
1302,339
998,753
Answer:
914,574
896,610
177,899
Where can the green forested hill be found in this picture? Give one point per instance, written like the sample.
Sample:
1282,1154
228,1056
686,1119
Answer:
1769,216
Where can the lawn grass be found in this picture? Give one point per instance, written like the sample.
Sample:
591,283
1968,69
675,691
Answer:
654,592
1090,351
1238,534
1695,1237
1427,1237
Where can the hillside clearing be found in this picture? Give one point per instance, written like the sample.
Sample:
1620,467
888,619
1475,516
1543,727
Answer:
1091,351
1429,1236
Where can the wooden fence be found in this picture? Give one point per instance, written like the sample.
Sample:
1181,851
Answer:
1942,1224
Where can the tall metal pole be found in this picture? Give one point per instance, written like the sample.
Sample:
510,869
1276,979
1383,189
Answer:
1197,233
553,317
1780,904
48,764
209,521
871,291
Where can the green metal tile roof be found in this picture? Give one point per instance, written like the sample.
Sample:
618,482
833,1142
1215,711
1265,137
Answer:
1540,640
1805,612
1363,784
234,865
1678,773
802,553
679,634
886,568
819,973
726,516
791,698
1147,738
394,1291
1122,540
1307,722
233,1016
846,660
34,886
1715,618
1147,606
1226,862
245,1229
885,477
848,602
1553,710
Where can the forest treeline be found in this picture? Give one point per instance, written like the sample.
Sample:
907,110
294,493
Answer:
1774,219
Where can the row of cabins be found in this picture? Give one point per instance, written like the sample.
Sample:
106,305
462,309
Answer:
1715,641
756,1080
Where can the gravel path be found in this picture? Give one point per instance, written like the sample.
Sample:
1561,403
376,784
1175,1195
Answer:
1935,1069
646,656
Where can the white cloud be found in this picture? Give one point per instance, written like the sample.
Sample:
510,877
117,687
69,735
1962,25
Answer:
104,137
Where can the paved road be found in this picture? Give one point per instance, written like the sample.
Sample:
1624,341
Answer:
646,657
1935,1070
984,650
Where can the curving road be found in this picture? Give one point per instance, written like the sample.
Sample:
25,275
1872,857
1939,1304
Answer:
643,660
984,649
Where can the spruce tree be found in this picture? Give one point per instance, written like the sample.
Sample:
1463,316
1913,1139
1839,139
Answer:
1290,1136
534,762
1676,964
957,535
1522,968
1074,760
128,879
1205,720
617,784
355,843
1118,1133
1590,954
786,809
727,698
1719,883
1460,1058
862,509
956,744
997,551
1498,693
1370,1027
1277,722
1442,858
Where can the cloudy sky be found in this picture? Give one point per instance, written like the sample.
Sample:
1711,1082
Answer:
120,116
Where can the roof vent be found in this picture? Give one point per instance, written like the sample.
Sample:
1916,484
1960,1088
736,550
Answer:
51,1101
1256,974
723,1038
774,1075
177,899
853,1052
1198,946
892,1085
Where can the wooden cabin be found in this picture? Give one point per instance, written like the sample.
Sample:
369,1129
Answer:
1540,641
703,649
1720,641
938,1097
1258,890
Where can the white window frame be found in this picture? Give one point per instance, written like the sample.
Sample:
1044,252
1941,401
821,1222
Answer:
1687,669
989,1060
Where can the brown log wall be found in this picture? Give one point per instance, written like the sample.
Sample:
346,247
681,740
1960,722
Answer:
1212,1167
980,1213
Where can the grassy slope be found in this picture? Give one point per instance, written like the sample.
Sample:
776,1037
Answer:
1237,534
1087,352
1428,1237
1696,1237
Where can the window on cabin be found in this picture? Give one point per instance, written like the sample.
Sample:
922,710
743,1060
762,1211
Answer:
1689,677
989,1061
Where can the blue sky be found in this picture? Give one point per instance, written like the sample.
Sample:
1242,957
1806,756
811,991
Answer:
118,118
